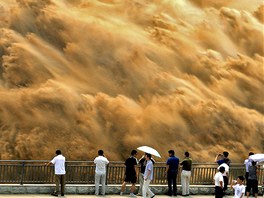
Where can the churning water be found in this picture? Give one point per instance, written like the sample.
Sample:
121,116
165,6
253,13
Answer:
83,75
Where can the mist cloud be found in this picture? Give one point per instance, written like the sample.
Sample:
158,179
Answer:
115,75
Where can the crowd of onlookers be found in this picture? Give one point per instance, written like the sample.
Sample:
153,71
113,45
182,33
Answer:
146,163
221,178
146,174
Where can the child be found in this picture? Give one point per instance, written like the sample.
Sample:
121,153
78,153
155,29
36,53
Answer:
238,186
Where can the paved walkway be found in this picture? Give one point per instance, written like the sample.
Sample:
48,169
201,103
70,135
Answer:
108,196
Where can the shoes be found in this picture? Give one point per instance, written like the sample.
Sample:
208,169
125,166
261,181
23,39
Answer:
132,195
152,196
62,195
139,194
54,194
121,193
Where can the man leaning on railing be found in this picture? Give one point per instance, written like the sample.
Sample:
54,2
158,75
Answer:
59,163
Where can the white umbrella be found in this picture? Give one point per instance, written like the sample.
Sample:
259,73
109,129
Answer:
257,157
149,150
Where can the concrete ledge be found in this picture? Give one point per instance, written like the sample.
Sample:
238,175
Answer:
90,189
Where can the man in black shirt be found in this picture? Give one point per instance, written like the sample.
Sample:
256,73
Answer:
131,173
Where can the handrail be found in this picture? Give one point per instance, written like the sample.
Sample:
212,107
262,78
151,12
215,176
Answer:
113,162
82,172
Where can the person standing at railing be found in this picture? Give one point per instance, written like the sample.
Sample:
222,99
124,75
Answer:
226,159
186,174
225,174
172,172
220,158
148,177
252,179
131,173
247,163
142,163
100,171
59,163
219,182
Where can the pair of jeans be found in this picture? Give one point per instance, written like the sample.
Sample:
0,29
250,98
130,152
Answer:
171,177
59,180
185,182
146,190
98,178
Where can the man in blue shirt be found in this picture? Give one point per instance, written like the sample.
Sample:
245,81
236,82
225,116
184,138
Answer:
172,171
148,176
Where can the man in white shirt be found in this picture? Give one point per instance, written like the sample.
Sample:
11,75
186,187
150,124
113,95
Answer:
225,174
59,163
219,182
100,172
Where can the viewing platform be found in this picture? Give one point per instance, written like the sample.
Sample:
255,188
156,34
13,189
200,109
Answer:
108,196
33,177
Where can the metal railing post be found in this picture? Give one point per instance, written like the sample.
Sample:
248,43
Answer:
66,169
22,173
106,174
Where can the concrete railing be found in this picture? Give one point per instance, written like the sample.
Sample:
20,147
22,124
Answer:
82,172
